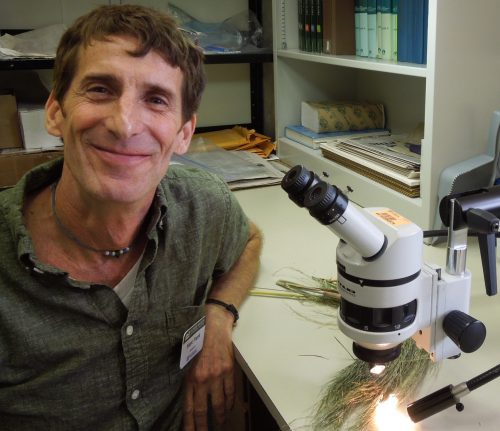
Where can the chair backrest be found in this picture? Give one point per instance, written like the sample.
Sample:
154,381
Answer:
477,172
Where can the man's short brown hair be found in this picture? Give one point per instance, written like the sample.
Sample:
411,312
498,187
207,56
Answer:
153,30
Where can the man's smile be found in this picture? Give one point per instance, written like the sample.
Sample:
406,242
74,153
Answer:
120,156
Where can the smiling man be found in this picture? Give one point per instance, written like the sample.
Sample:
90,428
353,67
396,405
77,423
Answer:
109,257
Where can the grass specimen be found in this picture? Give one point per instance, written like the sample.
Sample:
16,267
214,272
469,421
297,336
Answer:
353,393
349,400
323,291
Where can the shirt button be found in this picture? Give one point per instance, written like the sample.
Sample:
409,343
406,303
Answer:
130,330
135,394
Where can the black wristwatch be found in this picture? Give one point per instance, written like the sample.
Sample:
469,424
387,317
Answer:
229,307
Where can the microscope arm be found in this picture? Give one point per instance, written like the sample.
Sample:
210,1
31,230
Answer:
479,211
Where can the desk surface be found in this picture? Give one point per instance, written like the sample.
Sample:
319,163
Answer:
289,357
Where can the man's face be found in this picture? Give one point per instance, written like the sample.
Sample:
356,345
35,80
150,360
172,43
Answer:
121,121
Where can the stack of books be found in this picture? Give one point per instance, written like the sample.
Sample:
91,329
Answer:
326,26
328,121
392,29
389,160
376,24
386,29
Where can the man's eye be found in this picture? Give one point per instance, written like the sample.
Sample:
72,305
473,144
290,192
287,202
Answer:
157,101
98,89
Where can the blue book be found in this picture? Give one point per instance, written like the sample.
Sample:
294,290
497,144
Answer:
311,139
404,16
426,20
419,54
418,31
417,39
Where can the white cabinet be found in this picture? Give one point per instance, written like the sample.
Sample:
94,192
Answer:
454,95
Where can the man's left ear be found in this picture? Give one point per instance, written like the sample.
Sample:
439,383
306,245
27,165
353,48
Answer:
184,136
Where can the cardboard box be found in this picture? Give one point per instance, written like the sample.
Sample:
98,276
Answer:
14,165
35,136
10,133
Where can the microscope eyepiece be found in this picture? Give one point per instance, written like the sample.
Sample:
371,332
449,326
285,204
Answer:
297,182
325,202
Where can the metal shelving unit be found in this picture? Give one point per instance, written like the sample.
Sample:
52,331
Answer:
254,57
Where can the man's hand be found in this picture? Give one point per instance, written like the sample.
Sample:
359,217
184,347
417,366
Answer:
212,374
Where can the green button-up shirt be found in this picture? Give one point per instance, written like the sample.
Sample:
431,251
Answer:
72,357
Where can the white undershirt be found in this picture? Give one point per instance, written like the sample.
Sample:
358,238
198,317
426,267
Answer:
126,285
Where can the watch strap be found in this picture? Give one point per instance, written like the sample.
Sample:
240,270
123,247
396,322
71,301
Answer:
229,307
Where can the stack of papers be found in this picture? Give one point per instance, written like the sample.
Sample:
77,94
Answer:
311,139
239,169
39,43
385,159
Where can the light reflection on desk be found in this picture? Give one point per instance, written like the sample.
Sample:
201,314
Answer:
389,416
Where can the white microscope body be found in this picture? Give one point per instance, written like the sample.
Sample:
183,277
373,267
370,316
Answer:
388,294
396,296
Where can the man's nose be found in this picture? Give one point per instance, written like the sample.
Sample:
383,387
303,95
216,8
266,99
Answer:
125,120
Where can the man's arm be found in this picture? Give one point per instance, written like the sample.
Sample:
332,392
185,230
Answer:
212,372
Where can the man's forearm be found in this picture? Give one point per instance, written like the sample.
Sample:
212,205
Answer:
212,373
233,286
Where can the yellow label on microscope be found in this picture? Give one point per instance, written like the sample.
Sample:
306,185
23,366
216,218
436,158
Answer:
391,217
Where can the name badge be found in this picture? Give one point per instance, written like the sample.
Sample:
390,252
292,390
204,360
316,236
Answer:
192,342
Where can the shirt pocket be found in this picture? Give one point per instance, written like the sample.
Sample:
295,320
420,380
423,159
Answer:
178,321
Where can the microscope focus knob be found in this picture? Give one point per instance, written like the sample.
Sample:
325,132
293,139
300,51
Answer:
466,332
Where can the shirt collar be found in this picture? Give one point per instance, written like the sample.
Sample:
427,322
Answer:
37,178
46,174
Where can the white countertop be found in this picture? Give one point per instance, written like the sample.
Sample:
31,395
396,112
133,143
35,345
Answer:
289,357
